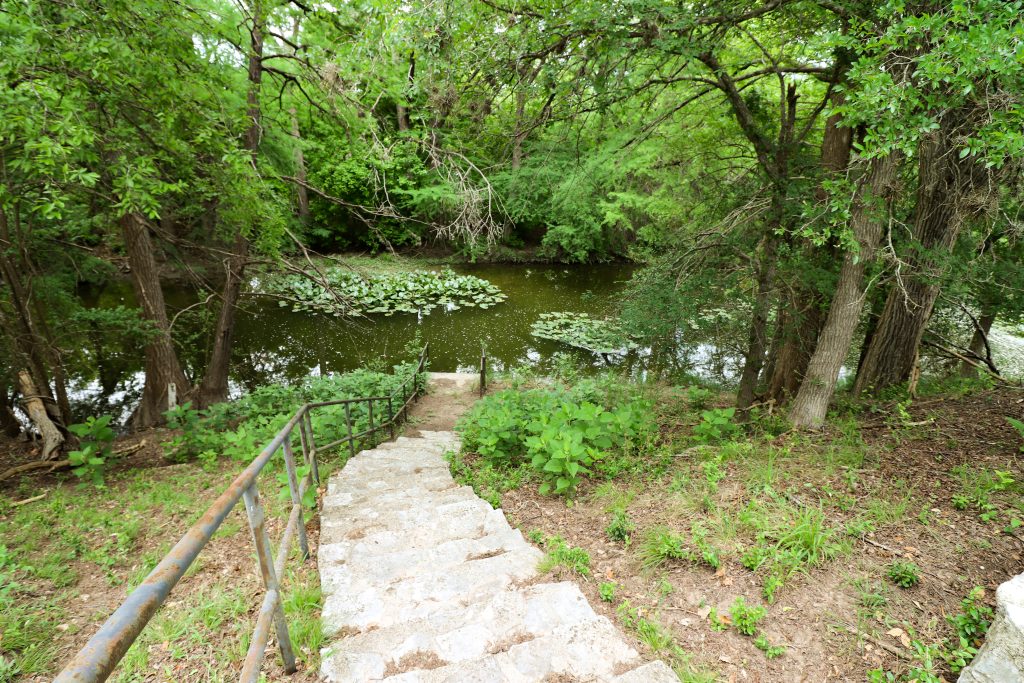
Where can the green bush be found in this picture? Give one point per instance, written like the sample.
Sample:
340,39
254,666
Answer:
716,425
89,459
561,434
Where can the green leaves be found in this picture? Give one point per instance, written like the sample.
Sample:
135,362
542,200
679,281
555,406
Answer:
390,293
96,436
583,332
562,438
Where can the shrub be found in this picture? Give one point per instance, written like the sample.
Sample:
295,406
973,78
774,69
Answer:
716,425
90,458
560,434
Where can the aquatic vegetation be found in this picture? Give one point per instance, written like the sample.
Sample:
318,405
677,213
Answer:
405,292
584,332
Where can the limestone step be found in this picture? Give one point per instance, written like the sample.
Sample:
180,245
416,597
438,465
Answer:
369,604
417,527
458,633
654,672
339,566
357,501
590,650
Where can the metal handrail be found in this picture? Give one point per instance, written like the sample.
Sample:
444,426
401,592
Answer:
96,661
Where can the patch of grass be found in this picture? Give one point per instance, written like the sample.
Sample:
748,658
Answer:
788,539
661,545
607,591
561,554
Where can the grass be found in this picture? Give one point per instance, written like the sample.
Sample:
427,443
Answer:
54,550
560,554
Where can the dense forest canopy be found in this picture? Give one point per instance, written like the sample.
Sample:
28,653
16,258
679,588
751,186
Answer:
842,176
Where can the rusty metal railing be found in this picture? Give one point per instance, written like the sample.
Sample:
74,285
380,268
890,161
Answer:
96,661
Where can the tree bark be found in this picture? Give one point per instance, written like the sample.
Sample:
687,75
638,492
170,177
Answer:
9,424
35,406
892,353
757,340
806,315
162,365
867,222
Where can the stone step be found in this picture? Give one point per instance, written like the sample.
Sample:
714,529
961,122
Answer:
464,519
434,480
368,604
460,633
591,650
356,501
653,672
339,566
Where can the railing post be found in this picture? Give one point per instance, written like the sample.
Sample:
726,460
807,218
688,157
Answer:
255,513
308,454
391,417
293,486
348,424
306,425
371,432
483,372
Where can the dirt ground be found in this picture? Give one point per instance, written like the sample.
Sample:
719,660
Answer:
831,632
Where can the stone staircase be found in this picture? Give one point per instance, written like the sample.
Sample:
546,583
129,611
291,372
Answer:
424,582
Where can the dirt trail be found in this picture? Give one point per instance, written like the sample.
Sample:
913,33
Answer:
449,395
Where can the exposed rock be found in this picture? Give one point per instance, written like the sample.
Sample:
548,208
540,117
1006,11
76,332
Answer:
1001,658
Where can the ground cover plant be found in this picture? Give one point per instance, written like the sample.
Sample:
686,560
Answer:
561,434
69,559
351,293
770,554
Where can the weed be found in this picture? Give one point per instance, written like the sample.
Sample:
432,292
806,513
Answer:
1019,426
770,651
713,472
716,425
745,617
973,622
607,591
698,397
651,633
904,574
96,437
620,528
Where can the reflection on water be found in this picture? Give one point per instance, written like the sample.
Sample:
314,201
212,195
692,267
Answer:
273,344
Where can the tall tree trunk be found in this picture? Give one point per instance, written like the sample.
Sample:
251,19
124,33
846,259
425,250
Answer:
401,111
757,339
805,303
162,365
9,424
214,387
892,353
301,195
978,342
29,341
35,406
867,221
